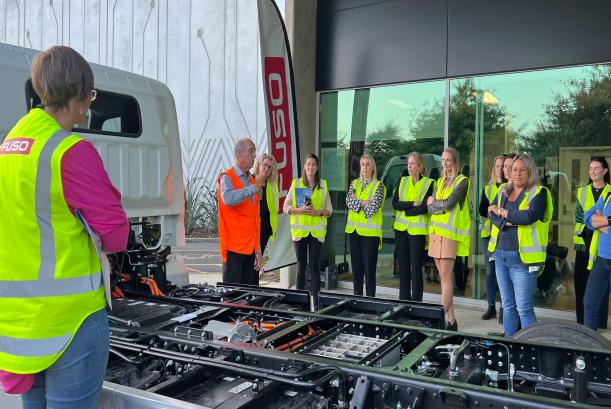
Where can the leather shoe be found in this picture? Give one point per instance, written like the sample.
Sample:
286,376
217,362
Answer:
490,313
452,327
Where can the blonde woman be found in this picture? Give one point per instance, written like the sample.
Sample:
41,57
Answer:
365,200
520,216
411,225
265,165
309,205
450,227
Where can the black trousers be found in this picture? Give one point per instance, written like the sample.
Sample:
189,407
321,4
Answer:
307,251
364,258
410,253
580,280
240,269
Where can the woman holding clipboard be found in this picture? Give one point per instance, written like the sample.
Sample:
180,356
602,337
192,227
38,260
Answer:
309,205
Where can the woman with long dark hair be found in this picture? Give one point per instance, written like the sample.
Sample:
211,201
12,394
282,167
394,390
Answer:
309,205
587,196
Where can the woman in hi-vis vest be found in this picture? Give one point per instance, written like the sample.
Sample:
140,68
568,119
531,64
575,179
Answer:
520,215
53,320
365,200
497,178
268,205
450,227
309,205
587,196
412,225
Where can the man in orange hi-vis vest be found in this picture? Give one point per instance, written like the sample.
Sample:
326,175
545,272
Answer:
239,194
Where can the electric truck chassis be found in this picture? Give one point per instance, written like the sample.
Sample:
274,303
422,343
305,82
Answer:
230,346
240,351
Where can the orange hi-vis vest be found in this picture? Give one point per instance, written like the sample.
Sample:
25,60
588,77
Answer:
239,225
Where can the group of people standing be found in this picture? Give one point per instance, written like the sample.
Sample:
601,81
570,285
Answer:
430,216
248,203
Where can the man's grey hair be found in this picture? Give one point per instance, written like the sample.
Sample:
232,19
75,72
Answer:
242,144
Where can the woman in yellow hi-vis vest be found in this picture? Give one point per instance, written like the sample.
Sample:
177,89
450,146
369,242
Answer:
309,205
587,196
450,227
365,200
53,321
265,165
520,216
490,190
412,225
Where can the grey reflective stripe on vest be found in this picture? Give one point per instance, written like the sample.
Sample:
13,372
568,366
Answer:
46,285
402,219
449,227
33,347
582,197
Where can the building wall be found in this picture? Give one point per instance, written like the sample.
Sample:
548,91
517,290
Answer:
206,51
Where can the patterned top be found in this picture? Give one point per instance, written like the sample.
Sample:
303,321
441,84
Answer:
354,204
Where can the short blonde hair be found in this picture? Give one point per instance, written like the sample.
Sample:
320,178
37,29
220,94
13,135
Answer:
273,177
60,74
456,159
420,159
373,164
531,168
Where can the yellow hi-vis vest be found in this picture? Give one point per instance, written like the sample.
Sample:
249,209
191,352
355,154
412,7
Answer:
408,192
271,197
491,191
50,274
532,238
594,244
369,227
586,200
456,223
304,224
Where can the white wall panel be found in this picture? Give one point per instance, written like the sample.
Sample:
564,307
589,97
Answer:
206,51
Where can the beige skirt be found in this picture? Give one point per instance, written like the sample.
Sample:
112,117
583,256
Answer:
442,247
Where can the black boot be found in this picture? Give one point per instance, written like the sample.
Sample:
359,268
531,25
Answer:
501,315
490,313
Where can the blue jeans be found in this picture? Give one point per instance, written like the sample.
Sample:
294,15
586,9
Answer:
75,379
490,274
596,290
517,287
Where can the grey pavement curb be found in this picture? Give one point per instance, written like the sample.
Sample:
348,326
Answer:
202,239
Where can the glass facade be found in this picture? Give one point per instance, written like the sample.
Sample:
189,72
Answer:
562,117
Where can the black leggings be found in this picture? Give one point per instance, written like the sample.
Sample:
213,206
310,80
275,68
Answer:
312,246
580,281
410,253
364,257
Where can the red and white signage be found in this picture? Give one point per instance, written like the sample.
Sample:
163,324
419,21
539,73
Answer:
16,146
281,118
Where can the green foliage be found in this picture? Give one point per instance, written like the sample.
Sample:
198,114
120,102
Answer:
201,208
580,118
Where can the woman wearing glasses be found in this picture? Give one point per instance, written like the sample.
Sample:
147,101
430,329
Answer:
53,321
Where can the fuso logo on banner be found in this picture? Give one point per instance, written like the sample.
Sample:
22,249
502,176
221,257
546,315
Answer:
281,143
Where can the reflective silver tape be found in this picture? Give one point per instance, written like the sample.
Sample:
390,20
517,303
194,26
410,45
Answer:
50,288
43,205
33,347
